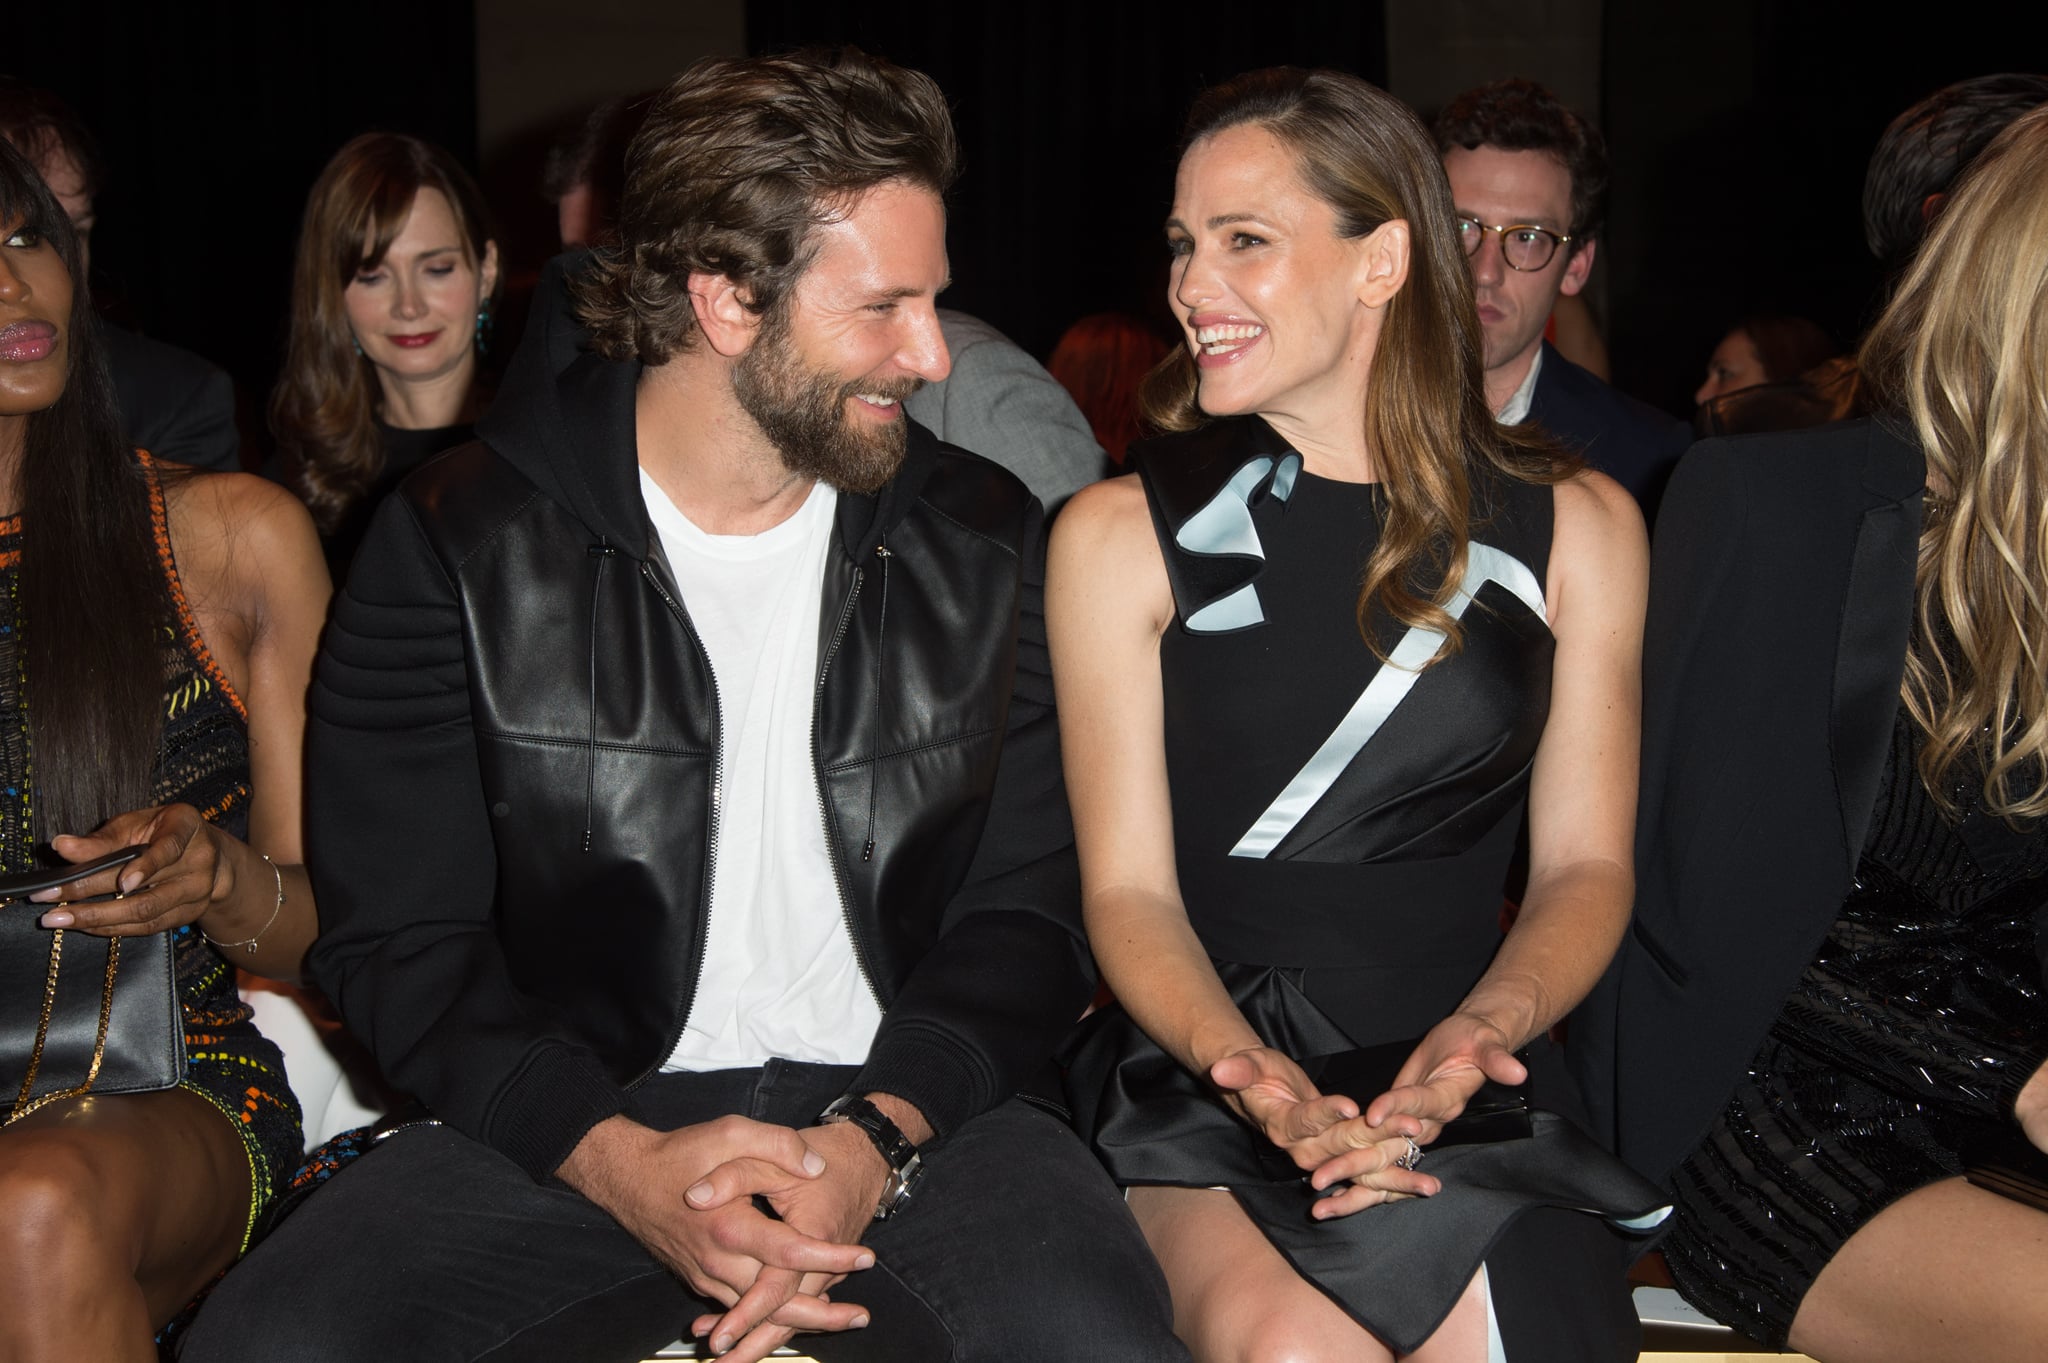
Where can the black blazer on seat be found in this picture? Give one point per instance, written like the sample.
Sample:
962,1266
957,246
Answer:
173,404
1781,596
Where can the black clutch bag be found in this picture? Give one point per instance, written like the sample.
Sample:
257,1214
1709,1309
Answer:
80,1013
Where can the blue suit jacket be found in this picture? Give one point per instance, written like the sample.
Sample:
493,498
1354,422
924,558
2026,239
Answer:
1629,441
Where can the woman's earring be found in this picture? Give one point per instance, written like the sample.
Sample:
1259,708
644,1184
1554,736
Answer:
483,327
357,342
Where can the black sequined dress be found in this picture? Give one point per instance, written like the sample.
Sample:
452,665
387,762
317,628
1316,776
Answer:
203,761
1904,1043
1342,831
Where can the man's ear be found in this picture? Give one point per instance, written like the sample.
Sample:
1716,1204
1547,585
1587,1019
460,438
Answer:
1385,251
728,325
1577,269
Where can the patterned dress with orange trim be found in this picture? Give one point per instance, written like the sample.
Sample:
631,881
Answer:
203,761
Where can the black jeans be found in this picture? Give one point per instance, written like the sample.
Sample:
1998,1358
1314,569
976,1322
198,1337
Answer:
434,1247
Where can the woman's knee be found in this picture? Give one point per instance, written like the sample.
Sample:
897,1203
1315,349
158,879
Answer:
1276,1332
57,1213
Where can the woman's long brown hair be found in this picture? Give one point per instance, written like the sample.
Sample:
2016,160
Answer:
1960,356
324,410
1426,420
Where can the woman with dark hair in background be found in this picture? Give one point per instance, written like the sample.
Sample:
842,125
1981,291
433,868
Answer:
396,275
154,656
1101,360
1764,349
1832,1003
1313,662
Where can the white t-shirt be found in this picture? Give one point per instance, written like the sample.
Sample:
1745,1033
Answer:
780,977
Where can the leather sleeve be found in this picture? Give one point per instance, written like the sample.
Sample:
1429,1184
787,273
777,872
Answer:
400,850
984,1010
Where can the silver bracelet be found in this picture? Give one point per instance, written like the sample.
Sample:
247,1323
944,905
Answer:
248,944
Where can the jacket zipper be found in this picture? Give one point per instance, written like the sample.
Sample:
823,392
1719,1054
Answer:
703,933
832,853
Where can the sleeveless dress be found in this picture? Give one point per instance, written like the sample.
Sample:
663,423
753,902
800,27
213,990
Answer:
1902,1048
203,761
1342,831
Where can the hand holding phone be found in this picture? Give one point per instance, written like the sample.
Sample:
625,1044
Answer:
22,884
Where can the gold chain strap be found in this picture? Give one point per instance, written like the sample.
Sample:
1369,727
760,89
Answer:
22,1105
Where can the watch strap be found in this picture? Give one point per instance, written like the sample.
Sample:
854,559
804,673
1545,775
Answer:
896,1149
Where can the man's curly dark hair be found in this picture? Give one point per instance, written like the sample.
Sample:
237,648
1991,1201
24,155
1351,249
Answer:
1519,115
735,164
1927,146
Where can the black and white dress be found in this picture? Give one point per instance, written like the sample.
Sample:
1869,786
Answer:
1343,829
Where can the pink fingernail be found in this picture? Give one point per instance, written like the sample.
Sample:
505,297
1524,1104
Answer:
865,1261
859,1323
814,1163
699,1193
57,918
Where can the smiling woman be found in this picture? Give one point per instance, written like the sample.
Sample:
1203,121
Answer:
1313,663
391,308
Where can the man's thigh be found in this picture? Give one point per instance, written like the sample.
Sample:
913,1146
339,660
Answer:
1015,1245
435,1247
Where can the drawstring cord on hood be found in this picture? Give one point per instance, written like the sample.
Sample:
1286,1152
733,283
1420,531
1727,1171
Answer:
602,551
875,759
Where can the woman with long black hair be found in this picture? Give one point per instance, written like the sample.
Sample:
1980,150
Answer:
156,639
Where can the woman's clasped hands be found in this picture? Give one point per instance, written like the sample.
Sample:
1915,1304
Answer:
1369,1155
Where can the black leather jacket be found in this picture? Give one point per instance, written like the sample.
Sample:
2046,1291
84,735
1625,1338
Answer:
514,757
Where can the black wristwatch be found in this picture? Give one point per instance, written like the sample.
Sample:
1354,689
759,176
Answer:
897,1152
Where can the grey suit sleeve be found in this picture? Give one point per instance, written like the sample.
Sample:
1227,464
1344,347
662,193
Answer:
1001,404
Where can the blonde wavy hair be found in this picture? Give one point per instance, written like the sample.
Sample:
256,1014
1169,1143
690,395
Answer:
1961,357
1426,421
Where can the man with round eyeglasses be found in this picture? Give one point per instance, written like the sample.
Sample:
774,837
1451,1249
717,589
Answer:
1529,177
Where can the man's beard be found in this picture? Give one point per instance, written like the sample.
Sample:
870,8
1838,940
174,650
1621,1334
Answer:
803,412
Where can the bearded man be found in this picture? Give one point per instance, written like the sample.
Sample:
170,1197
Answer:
685,793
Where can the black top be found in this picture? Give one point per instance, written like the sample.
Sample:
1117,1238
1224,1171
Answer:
1415,834
404,451
1893,1061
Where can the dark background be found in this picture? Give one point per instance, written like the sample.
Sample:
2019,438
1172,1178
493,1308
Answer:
1739,137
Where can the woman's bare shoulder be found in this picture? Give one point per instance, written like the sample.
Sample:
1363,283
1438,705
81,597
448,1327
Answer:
1599,538
240,538
1103,547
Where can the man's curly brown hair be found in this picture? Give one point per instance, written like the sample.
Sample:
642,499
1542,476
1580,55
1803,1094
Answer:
736,163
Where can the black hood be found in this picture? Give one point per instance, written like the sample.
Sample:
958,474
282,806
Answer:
564,418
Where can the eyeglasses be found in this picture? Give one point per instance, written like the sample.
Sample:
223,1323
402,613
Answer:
1523,245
